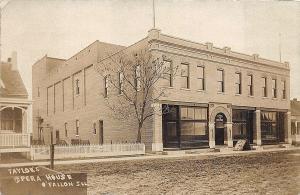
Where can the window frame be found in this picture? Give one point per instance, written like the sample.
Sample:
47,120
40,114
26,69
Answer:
238,83
250,86
137,81
274,88
77,127
221,81
169,74
265,87
283,82
121,82
77,89
186,78
202,79
105,86
66,129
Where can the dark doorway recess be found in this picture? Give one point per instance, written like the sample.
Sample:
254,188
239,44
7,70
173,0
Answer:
220,123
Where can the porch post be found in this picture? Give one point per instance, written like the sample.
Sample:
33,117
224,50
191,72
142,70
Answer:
257,127
229,134
211,129
24,121
287,128
157,139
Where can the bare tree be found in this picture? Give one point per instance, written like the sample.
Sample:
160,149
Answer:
132,84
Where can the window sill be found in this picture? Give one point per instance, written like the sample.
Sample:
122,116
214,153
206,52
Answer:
274,98
185,89
222,93
251,96
168,87
200,90
237,94
264,97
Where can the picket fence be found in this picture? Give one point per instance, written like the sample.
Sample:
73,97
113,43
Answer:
86,151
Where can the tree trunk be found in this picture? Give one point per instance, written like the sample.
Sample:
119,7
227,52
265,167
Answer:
139,135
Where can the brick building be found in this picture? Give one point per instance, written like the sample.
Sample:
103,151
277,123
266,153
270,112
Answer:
218,97
68,101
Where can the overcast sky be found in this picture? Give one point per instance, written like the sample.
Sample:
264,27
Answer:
60,28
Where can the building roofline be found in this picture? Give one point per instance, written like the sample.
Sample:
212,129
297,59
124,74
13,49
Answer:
241,56
123,49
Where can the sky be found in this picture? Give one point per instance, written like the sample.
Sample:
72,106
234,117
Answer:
61,28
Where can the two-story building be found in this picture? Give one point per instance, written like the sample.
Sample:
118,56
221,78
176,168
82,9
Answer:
218,96
15,117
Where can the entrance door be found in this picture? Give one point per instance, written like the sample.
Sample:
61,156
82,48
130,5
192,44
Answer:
220,121
219,136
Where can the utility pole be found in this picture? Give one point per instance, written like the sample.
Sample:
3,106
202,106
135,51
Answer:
153,13
280,47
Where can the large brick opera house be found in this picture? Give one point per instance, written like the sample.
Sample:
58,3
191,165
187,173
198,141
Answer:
218,97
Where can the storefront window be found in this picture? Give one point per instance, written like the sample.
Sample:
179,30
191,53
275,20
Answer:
190,130
242,124
271,127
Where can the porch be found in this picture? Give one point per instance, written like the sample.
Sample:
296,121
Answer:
14,135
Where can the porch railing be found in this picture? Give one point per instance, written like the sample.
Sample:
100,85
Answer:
14,140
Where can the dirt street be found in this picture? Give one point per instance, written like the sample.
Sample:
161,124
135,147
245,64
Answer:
260,173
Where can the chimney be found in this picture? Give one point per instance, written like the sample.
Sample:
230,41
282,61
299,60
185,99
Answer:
14,62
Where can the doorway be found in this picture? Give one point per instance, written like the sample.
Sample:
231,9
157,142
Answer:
220,122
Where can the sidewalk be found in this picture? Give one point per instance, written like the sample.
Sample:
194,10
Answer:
178,154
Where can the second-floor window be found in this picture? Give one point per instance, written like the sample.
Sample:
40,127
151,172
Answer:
250,84
220,80
238,83
167,72
185,76
77,127
274,88
137,81
105,86
200,75
121,82
264,86
77,90
283,87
